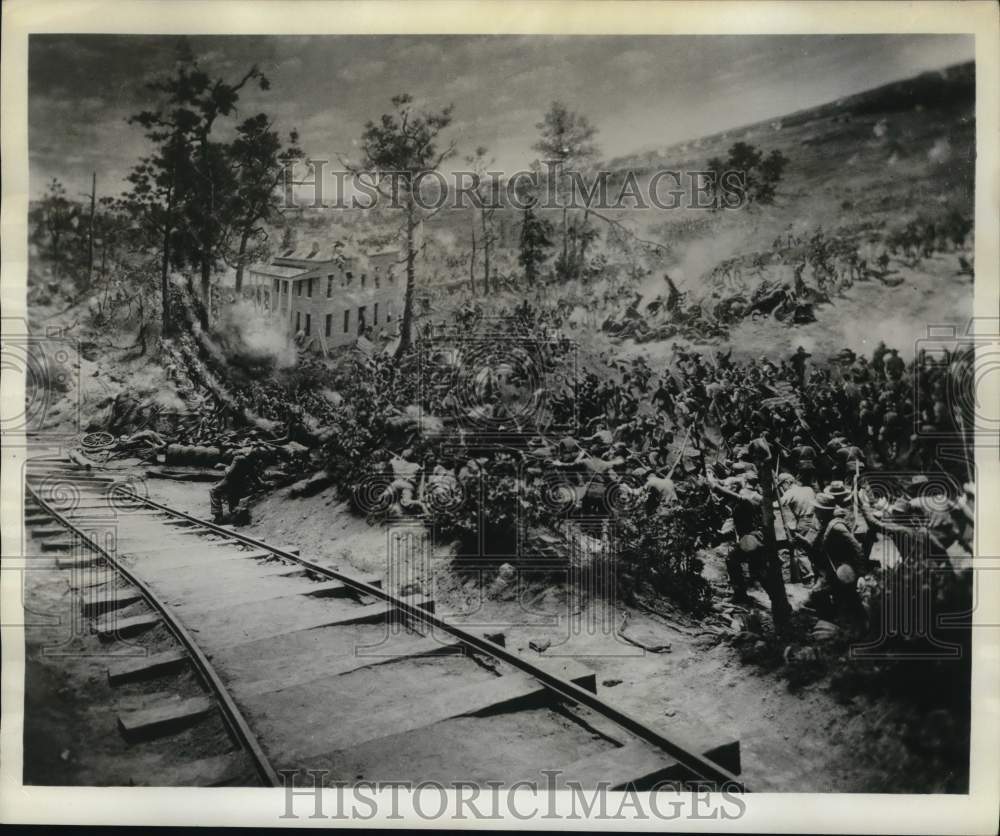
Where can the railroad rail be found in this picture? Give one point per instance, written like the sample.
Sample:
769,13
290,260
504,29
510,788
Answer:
274,638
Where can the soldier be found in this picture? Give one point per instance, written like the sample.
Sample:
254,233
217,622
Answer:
795,515
805,455
837,559
894,365
240,479
749,538
798,361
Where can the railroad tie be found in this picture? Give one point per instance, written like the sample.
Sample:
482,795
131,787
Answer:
638,765
50,531
163,717
502,694
148,666
99,602
112,627
62,545
79,561
90,577
219,629
216,600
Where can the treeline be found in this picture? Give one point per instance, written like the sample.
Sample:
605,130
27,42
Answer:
197,203
202,201
212,186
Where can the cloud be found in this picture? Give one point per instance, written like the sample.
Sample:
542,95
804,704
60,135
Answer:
422,52
460,85
81,87
638,64
362,71
289,65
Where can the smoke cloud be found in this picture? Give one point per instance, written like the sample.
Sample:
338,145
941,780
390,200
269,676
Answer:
252,337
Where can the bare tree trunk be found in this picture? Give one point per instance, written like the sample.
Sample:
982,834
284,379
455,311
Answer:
486,254
90,232
583,243
240,266
565,226
206,287
165,264
406,326
165,281
472,262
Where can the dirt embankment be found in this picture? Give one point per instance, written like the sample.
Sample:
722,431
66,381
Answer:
807,740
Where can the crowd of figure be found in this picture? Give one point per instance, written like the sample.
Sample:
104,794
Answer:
503,402
643,437
773,283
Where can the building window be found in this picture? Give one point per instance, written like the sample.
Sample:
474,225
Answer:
275,285
298,321
329,324
309,288
378,280
375,314
388,311
298,288
308,324
347,321
329,286
286,288
364,279
350,276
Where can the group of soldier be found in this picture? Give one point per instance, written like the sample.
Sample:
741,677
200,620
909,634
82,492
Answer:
642,433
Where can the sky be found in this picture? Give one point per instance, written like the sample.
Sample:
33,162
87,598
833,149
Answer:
641,92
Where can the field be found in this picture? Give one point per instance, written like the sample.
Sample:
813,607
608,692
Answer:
860,172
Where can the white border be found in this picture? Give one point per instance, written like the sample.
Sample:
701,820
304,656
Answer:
975,813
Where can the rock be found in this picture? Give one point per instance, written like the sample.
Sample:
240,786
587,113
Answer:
611,683
539,646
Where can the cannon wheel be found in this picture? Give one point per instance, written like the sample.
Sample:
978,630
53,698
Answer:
97,441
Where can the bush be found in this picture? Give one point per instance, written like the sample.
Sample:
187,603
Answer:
661,550
761,174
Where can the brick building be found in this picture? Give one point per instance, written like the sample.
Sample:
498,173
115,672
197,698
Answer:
331,295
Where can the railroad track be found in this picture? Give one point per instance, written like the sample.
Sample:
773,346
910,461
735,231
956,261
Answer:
315,669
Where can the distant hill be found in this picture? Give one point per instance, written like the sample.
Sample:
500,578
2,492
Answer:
951,88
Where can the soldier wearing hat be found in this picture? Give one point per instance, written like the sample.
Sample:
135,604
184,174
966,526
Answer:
747,526
837,557
238,481
797,498
838,491
911,532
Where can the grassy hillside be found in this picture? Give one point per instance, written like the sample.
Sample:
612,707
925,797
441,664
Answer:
859,169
